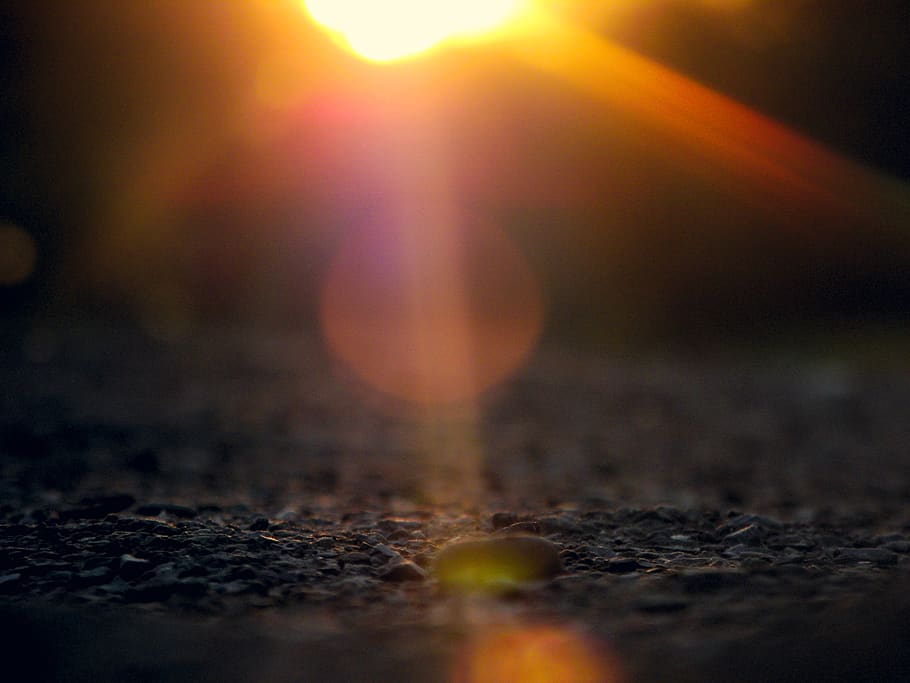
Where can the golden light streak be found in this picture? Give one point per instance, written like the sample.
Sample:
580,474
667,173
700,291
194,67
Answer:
709,134
389,30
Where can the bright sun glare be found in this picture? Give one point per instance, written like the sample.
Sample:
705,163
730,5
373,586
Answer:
384,31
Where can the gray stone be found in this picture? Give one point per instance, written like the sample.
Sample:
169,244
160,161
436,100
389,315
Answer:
132,567
748,535
879,556
404,571
500,520
557,525
525,527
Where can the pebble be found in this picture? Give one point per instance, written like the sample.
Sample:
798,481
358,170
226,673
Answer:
501,520
90,577
10,582
155,509
131,566
97,507
385,551
259,524
557,525
404,571
879,556
621,565
748,535
357,558
740,521
525,527
496,562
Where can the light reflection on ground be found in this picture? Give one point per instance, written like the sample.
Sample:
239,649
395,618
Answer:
536,654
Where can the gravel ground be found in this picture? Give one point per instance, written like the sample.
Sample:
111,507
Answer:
233,508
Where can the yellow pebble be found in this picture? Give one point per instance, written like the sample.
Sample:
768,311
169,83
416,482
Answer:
497,563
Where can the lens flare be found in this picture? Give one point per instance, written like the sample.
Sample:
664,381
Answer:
430,305
536,654
737,149
396,29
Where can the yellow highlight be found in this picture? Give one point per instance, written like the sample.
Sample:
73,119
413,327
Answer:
496,564
429,304
18,254
396,29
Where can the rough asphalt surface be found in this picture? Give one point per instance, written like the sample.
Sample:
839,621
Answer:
232,508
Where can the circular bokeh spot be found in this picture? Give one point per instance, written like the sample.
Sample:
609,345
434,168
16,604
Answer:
430,305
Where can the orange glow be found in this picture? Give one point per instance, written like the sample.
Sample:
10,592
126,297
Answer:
539,654
734,147
430,304
389,30
18,254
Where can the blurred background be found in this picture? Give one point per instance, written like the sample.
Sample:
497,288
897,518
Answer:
178,163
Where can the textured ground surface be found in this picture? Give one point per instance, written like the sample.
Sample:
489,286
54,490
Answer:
228,508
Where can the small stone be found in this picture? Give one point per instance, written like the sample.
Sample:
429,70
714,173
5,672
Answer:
97,507
389,526
404,571
523,528
621,565
879,556
748,535
155,509
58,576
131,566
741,521
10,583
898,546
501,520
385,551
146,526
557,525
356,558
496,562
91,577
259,524
399,535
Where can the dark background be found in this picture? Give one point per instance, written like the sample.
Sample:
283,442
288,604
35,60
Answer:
179,162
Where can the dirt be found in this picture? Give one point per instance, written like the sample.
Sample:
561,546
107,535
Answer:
232,506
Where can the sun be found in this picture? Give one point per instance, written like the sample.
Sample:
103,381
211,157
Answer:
391,30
